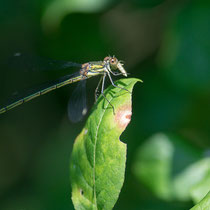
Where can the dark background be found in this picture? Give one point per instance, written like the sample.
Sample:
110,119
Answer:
164,43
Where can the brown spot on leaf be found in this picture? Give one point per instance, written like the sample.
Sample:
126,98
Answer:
123,116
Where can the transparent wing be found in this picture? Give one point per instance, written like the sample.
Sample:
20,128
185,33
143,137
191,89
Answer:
27,62
77,106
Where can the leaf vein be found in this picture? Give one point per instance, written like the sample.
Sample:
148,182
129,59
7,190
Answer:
96,137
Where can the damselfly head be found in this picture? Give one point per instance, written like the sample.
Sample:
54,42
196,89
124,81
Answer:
115,64
112,61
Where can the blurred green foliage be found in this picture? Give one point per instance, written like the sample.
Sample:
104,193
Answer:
147,3
173,170
203,204
164,43
188,40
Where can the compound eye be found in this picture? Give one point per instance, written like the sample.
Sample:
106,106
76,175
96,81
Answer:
113,60
106,58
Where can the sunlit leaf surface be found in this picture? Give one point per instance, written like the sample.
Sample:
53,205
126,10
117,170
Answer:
199,190
204,204
98,158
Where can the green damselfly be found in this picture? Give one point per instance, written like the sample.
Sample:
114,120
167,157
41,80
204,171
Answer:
109,66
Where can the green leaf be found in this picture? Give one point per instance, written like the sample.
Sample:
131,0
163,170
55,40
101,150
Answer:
203,204
167,165
190,177
98,158
153,164
199,190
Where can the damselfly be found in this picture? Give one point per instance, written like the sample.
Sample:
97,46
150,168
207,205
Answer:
110,65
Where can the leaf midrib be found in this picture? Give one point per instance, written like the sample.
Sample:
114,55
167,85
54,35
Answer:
96,137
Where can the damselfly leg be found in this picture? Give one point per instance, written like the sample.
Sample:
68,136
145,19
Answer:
102,92
110,78
96,90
